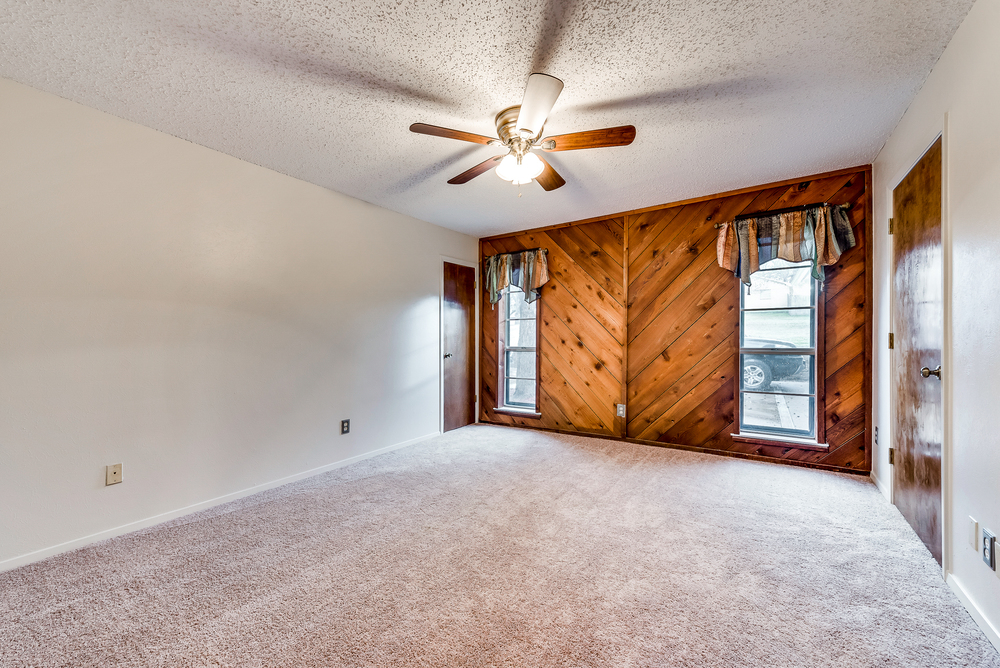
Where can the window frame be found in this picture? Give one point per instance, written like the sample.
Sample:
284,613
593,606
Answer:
778,439
502,350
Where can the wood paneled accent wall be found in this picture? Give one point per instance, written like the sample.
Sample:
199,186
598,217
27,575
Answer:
582,329
638,312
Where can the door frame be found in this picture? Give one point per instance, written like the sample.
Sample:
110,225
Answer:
475,266
941,132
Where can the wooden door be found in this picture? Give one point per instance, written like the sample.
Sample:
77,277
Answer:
458,338
918,316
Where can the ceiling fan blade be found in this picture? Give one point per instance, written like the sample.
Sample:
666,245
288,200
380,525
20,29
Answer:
481,168
435,131
539,97
623,135
549,178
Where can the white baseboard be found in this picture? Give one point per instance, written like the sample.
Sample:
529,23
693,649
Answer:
991,631
882,487
38,555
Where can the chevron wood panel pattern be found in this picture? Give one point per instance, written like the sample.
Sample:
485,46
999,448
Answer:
683,323
581,332
638,302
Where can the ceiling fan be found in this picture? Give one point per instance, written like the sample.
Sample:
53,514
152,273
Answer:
519,129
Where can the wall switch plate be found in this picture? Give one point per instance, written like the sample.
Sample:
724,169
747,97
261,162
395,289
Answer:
621,410
113,475
345,426
974,532
990,549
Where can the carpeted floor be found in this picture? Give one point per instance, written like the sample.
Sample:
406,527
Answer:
501,547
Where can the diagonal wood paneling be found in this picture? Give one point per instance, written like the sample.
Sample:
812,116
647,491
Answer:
690,232
692,298
683,319
720,359
637,302
714,327
581,329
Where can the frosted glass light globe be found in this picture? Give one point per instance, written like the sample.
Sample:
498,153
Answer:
507,169
530,167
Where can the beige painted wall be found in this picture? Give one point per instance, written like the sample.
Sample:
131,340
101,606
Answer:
960,99
203,320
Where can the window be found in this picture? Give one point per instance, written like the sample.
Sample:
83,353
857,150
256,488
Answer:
518,339
779,337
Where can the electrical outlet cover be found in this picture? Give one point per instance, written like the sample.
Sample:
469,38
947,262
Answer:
989,549
345,426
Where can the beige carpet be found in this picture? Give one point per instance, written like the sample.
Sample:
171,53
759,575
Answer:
502,547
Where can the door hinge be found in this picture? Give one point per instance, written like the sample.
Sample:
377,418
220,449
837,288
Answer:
890,226
892,455
892,340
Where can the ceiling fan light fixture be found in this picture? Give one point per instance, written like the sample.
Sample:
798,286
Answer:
520,130
520,172
532,165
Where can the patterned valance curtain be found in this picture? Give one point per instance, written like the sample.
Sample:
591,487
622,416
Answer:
528,270
820,234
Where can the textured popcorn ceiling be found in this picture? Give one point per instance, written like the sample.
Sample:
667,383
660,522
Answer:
724,94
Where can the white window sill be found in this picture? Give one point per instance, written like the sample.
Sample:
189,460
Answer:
779,441
520,412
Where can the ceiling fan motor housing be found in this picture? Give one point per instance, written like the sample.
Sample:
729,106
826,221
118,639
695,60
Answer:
506,122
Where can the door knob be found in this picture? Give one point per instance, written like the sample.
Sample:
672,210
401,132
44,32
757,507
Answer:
927,373
447,355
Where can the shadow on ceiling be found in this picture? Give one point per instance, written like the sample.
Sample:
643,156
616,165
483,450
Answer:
556,15
433,170
274,56
745,88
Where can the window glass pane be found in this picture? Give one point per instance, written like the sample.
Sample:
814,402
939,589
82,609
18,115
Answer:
778,373
779,289
778,329
516,306
514,299
520,365
520,334
779,413
519,383
520,393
